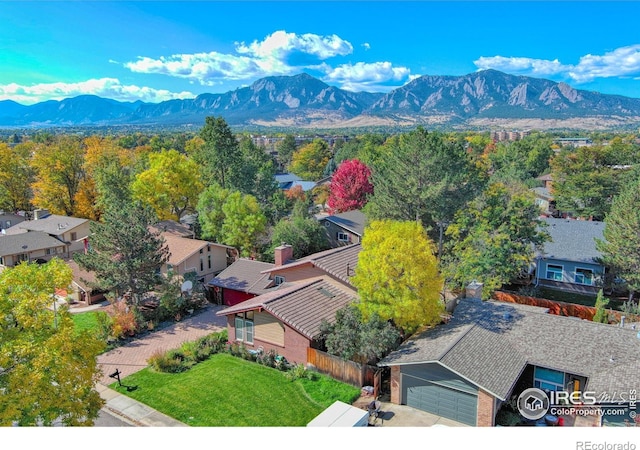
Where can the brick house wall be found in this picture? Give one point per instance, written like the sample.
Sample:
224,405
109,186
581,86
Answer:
395,385
486,412
295,344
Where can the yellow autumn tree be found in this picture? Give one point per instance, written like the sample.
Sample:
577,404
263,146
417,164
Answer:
397,275
171,185
47,369
59,168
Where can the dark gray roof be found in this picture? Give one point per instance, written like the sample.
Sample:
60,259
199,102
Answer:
339,262
490,343
353,221
302,305
53,224
14,244
245,275
573,240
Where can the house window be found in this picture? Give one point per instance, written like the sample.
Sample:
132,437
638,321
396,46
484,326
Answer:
1,260
342,237
74,236
278,280
554,272
47,251
201,264
201,250
584,276
547,379
244,327
209,261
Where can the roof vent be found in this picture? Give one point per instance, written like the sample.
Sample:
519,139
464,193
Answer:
326,292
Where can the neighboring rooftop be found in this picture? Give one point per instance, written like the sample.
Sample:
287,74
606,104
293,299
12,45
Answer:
573,240
245,275
339,262
301,305
489,343
15,244
174,228
353,221
52,224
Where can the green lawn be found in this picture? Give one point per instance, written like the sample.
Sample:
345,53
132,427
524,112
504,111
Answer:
227,391
85,321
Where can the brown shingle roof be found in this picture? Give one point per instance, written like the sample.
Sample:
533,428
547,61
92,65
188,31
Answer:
85,279
301,305
245,275
181,248
336,262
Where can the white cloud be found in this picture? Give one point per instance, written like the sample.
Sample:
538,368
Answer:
206,68
103,87
366,46
280,53
279,44
621,62
367,76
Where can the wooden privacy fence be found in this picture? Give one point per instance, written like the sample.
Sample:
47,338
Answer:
348,371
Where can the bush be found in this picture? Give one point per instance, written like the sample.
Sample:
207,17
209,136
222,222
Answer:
298,371
166,362
123,319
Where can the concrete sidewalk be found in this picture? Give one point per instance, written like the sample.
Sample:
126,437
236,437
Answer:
130,410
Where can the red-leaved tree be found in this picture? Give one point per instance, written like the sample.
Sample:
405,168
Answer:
350,186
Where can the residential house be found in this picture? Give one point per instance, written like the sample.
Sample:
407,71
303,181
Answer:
202,258
72,231
570,261
7,220
344,228
287,320
338,263
544,197
34,246
247,278
83,286
288,181
489,352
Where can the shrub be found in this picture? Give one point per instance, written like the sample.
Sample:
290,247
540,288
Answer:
123,319
298,371
105,324
166,362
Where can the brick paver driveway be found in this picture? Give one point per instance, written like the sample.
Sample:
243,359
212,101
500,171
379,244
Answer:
133,357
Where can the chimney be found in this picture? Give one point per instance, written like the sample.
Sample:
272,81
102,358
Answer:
283,254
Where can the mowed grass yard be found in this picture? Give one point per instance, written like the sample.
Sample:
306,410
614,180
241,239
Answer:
85,321
227,391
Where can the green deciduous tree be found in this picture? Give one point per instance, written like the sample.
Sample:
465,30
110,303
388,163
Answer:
305,234
352,338
309,161
584,181
210,213
171,185
397,275
244,223
493,241
125,253
286,148
621,245
47,370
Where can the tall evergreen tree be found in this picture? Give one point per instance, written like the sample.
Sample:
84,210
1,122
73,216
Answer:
621,245
220,155
125,253
425,177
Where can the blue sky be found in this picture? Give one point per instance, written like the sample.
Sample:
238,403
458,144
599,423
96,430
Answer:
155,51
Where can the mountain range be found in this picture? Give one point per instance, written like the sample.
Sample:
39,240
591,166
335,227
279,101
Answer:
484,98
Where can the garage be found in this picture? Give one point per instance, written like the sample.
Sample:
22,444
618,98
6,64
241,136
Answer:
434,389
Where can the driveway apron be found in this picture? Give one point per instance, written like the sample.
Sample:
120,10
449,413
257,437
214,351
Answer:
132,357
